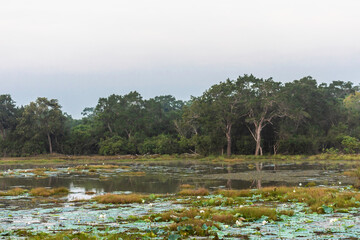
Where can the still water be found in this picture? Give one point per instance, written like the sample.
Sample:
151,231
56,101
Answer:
167,177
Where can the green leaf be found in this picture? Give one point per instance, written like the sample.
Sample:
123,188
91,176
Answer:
174,237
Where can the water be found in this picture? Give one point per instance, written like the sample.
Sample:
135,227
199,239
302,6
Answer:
167,177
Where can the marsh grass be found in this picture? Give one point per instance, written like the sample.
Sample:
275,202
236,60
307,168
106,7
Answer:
95,167
134,173
218,201
14,192
46,192
119,198
255,213
181,215
226,218
236,193
316,198
193,227
194,192
183,186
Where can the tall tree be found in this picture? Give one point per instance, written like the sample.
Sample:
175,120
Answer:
7,114
42,118
223,102
263,105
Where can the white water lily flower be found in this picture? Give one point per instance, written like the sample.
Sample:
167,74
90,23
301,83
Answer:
300,184
198,197
339,183
143,201
238,223
333,220
226,226
102,216
202,211
150,204
294,190
264,222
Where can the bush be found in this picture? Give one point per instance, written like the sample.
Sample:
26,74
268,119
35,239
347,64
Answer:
115,145
350,144
161,144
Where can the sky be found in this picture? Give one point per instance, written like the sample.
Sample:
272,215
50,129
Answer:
79,50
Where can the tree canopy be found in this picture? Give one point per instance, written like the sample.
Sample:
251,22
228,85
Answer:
247,115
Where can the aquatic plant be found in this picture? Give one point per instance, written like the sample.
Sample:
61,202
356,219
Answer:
13,192
119,198
46,192
194,192
254,213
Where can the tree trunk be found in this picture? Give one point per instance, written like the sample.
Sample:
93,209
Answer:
258,149
228,149
109,128
50,144
228,138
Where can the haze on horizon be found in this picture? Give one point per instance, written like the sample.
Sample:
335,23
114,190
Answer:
78,51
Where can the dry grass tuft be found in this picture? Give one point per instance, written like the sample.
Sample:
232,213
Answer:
119,198
45,192
254,213
236,193
194,192
224,218
13,192
182,186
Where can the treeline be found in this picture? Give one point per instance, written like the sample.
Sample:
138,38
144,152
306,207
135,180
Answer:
243,116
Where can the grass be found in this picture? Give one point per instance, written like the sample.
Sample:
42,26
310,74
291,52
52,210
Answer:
194,192
255,213
59,158
119,198
235,193
46,192
182,186
13,192
134,173
78,236
224,218
218,201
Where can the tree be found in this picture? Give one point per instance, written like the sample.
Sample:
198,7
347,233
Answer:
121,115
7,114
42,118
263,105
223,103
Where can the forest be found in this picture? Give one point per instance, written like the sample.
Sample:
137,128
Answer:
245,116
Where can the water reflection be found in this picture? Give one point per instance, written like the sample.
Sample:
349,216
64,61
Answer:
166,178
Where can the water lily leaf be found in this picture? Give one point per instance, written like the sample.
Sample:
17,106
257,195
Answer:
157,219
174,237
327,209
204,227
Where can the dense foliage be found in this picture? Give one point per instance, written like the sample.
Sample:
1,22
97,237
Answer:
243,116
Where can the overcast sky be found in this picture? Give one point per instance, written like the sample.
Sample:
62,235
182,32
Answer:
79,50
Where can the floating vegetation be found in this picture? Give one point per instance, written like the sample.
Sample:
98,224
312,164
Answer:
110,209
45,192
194,192
13,192
119,198
134,173
182,186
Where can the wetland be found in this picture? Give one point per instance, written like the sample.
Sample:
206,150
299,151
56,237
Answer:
180,199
